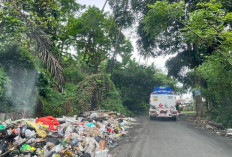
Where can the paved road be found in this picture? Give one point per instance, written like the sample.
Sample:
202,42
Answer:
173,139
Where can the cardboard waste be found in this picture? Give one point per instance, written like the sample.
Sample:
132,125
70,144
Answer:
92,134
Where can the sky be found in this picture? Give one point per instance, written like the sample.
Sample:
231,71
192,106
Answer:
159,62
97,3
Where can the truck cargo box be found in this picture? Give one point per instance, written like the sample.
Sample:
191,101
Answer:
162,103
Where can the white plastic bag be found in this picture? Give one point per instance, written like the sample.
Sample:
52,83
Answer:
102,153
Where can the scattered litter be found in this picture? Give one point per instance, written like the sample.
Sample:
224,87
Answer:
205,123
229,132
91,135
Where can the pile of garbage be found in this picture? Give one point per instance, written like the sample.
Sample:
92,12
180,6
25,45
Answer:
91,135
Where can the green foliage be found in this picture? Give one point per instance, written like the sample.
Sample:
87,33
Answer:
219,84
53,103
227,5
72,69
166,28
3,81
222,115
98,92
136,82
47,29
161,16
58,104
205,23
208,26
205,40
91,35
179,108
73,74
37,26
97,38
161,79
159,28
122,15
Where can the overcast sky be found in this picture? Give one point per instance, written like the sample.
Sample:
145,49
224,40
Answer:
97,3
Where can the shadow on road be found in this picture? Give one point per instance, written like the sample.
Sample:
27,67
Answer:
163,119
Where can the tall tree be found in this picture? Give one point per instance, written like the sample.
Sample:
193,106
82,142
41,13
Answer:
91,36
94,37
123,18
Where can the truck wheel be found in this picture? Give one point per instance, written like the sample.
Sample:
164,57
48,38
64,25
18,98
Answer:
151,118
174,118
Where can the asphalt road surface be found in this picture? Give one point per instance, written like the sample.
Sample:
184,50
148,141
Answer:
172,139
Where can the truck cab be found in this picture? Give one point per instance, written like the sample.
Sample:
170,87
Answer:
163,103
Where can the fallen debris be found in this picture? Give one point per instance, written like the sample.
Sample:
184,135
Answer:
218,125
91,135
229,132
205,123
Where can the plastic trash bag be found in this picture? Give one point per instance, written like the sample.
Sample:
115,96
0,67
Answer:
50,121
91,146
102,153
26,148
94,116
29,133
3,146
89,124
38,130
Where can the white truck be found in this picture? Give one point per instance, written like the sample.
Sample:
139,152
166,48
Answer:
163,103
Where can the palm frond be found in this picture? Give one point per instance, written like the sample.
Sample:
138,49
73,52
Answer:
44,46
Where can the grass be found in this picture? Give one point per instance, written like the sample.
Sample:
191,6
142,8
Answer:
188,112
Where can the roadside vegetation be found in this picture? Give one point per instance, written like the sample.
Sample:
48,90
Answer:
192,112
58,57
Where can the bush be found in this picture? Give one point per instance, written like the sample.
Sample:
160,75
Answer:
3,80
98,92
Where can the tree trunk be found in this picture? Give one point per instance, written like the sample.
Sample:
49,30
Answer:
199,106
39,107
69,107
96,68
117,41
95,99
116,48
104,5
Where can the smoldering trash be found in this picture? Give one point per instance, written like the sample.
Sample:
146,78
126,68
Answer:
91,135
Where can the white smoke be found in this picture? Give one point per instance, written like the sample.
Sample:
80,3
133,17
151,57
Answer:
20,91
